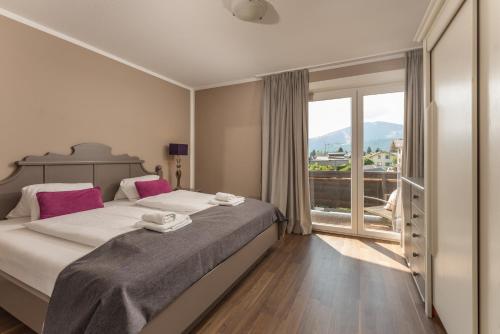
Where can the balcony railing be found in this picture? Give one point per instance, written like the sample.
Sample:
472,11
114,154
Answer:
331,196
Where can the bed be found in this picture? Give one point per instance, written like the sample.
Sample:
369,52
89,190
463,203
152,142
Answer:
31,262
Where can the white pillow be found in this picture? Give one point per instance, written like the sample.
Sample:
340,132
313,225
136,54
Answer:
127,186
120,194
28,204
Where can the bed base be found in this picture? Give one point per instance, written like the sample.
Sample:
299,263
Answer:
25,303
30,306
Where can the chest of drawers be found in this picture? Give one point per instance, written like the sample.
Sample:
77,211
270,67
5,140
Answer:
414,231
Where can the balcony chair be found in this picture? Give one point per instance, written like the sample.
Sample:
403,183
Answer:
381,211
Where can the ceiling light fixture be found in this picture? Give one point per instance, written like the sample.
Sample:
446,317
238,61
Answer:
249,10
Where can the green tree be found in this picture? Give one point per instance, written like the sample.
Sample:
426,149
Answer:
369,150
344,168
317,167
340,149
377,150
313,155
368,162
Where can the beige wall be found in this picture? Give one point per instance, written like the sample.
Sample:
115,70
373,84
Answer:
228,139
54,94
228,131
360,69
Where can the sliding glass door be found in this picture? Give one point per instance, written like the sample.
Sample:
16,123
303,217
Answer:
331,145
355,147
381,118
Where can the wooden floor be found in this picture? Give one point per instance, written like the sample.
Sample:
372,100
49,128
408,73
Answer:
10,325
325,284
316,284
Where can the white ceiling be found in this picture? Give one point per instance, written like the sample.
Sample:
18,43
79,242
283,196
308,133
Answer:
199,43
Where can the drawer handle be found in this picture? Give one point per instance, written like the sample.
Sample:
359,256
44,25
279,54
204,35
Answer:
415,215
415,235
414,273
408,224
415,254
415,196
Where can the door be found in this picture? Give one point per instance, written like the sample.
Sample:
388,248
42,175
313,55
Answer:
355,145
381,122
489,63
332,152
453,90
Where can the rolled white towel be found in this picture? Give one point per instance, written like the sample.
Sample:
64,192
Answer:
236,201
178,224
224,197
159,218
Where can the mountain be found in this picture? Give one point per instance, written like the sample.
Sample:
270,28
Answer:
376,135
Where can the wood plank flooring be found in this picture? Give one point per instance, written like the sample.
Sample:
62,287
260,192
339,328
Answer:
325,284
10,325
317,284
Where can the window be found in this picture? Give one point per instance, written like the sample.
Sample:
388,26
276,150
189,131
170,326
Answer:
349,191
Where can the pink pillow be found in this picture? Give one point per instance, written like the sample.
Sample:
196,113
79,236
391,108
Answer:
152,188
58,203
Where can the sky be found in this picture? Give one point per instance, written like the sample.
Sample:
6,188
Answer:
331,115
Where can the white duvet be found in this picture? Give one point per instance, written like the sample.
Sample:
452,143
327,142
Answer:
94,227
36,252
36,259
179,201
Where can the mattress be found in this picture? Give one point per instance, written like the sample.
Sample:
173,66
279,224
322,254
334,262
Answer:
37,259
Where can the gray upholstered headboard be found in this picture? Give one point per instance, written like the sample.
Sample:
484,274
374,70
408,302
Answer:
87,163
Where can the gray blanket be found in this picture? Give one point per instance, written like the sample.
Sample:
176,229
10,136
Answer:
123,284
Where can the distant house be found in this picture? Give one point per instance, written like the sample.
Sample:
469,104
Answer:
398,144
382,159
332,159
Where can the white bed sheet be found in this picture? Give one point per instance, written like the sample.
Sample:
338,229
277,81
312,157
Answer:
37,259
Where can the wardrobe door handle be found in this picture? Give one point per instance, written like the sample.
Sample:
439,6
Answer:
415,215
414,273
415,196
415,254
415,235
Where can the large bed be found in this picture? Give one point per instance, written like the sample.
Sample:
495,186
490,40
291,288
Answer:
31,263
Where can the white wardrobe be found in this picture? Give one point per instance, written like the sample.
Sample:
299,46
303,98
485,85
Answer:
461,40
489,166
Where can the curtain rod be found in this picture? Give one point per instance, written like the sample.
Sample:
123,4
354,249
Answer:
349,62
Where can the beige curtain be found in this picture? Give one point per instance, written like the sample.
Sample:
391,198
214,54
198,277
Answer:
285,175
413,151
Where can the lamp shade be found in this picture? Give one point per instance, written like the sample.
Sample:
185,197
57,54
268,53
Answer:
178,149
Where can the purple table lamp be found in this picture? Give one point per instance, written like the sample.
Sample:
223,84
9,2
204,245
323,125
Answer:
177,150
